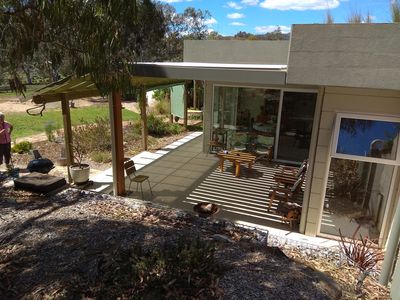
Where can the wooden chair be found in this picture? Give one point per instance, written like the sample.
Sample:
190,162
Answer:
287,175
289,210
130,170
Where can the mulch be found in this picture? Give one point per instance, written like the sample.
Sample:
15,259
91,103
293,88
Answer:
50,247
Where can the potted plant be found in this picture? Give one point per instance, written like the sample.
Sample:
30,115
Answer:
79,171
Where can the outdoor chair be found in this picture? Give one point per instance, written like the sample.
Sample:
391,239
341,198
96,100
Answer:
239,141
130,170
218,140
264,147
289,210
289,175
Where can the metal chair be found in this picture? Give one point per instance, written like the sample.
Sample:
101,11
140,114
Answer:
130,170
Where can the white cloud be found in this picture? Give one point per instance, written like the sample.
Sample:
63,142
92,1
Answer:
235,16
237,24
300,4
210,21
234,5
271,28
250,2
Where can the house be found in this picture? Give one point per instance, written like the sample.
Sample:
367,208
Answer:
330,95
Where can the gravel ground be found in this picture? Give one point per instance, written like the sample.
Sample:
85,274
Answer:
49,245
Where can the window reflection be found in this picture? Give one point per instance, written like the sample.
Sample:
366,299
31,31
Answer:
368,138
356,197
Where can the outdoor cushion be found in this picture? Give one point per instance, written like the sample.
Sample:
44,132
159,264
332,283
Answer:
39,183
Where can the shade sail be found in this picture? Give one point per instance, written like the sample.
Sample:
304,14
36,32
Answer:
75,88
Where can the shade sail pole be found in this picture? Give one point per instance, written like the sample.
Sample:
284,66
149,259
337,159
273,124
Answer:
185,102
143,116
115,107
66,113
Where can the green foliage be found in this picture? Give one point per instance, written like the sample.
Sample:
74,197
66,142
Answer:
100,38
49,129
25,125
395,11
22,147
91,137
176,270
158,127
101,156
346,178
162,107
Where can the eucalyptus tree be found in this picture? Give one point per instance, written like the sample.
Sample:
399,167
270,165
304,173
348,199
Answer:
102,38
395,11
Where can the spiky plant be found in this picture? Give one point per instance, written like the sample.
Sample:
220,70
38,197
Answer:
395,11
361,254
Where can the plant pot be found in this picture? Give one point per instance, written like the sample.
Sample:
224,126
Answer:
80,173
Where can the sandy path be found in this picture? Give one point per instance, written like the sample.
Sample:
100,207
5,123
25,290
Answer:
14,104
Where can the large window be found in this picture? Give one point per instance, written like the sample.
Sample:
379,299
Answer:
366,138
364,160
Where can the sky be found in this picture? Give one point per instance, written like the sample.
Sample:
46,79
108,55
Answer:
262,16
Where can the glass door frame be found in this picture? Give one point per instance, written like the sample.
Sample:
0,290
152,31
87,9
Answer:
332,154
278,125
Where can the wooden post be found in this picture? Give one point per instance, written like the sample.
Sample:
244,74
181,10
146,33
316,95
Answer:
185,101
194,94
143,116
115,107
66,113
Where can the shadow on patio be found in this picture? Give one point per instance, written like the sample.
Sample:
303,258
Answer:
186,176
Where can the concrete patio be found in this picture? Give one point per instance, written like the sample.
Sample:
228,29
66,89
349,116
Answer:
181,176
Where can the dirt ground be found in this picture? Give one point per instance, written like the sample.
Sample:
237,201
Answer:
15,104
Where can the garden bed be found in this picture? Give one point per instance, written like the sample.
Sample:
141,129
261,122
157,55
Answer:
72,244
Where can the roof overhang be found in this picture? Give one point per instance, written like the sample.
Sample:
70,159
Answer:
75,88
237,73
159,75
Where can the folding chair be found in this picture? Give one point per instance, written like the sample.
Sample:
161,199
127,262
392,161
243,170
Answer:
130,170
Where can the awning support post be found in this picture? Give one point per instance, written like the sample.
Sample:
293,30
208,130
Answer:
185,101
143,116
117,145
66,113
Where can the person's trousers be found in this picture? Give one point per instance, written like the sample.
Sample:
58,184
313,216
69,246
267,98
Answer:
5,151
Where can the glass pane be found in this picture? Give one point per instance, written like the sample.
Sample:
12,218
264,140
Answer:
356,198
296,125
249,114
368,138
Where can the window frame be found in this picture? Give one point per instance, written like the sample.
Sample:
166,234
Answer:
335,140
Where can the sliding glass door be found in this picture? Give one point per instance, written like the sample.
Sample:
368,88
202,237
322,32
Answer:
296,123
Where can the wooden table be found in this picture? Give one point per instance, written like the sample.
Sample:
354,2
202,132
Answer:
237,158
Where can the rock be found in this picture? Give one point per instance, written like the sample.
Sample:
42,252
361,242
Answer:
222,238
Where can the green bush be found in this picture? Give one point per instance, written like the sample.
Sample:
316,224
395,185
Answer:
50,127
162,107
96,136
101,156
158,127
22,147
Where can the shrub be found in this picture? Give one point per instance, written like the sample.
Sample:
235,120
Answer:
158,127
22,147
49,128
101,156
96,135
162,107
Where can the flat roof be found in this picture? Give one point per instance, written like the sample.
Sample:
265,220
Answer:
236,73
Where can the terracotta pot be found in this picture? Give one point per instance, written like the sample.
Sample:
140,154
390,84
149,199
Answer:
80,174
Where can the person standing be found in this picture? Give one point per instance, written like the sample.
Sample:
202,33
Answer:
5,141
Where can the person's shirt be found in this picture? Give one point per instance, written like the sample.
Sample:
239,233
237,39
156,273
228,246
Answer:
5,136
